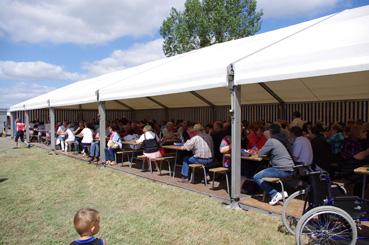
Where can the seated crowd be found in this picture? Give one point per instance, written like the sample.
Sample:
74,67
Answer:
336,148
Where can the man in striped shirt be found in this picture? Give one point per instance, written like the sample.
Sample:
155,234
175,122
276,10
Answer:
202,147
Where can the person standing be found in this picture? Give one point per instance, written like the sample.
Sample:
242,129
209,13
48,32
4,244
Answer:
20,128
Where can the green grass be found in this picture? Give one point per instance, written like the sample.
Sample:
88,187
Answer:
42,193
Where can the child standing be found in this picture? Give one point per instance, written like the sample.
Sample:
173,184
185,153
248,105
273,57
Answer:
87,224
20,128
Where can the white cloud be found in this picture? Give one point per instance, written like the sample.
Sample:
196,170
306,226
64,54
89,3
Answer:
81,21
120,59
294,8
20,91
34,71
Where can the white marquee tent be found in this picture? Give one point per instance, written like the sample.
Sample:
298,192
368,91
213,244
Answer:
322,59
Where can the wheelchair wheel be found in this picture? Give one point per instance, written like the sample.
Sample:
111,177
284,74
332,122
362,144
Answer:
293,209
326,225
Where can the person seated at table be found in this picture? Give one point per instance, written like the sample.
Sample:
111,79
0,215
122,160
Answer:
41,131
202,147
76,132
70,137
169,133
132,136
183,131
61,134
113,145
150,143
335,139
255,137
297,121
87,138
95,147
301,147
353,155
351,146
280,159
225,148
217,135
322,155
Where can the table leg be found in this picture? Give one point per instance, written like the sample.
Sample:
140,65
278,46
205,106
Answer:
363,190
175,165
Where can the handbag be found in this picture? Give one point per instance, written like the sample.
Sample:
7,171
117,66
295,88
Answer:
112,144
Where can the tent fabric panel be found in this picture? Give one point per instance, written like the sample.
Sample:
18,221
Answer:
113,105
180,100
255,94
141,104
197,70
334,87
217,96
320,50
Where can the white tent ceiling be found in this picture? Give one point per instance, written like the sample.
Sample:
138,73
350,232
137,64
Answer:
322,59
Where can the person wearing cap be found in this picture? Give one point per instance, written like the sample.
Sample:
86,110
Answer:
202,147
151,143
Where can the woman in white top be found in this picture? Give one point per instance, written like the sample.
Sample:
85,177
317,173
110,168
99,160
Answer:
150,141
87,137
70,137
61,134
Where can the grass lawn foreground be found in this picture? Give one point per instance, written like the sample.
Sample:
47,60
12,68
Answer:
42,192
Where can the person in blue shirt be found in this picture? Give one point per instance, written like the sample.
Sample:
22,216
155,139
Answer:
87,224
302,151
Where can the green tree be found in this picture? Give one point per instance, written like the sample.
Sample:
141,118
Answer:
206,22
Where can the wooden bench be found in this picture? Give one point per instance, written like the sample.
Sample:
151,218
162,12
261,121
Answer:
275,181
124,152
159,160
197,166
220,170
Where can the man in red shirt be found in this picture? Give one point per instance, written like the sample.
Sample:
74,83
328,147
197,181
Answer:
20,128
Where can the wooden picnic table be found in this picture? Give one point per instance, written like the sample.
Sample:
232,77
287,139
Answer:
173,147
363,170
255,158
131,142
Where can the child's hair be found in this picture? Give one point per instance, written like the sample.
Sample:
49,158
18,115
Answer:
85,219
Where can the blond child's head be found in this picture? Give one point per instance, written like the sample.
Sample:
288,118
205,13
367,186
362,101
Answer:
87,222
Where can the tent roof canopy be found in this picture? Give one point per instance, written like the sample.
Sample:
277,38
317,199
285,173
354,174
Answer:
321,59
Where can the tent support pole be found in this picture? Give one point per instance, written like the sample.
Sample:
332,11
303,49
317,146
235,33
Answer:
52,128
26,119
102,126
12,124
235,91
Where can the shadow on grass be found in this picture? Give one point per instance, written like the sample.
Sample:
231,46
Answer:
3,179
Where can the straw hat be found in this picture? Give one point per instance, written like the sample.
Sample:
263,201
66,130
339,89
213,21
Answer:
147,128
198,127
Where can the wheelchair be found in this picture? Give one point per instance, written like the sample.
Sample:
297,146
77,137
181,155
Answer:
323,213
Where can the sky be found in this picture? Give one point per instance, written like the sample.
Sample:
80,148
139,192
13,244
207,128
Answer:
48,44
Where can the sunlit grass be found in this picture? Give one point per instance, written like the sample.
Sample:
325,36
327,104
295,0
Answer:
42,193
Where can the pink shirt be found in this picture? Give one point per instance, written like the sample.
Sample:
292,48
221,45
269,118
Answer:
20,127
